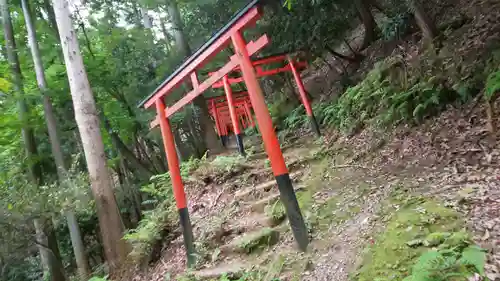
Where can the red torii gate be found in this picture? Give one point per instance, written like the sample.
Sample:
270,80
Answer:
220,109
229,34
291,66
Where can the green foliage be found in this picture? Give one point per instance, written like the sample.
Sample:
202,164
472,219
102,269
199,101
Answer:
4,85
396,27
221,166
387,96
423,241
296,119
154,221
448,264
227,163
96,278
281,108
492,85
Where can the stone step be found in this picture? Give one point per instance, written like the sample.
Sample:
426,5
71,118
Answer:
251,241
263,187
233,270
255,221
260,205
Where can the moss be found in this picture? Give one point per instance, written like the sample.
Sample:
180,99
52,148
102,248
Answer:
277,209
250,242
395,250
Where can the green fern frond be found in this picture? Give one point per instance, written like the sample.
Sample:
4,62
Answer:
474,256
492,85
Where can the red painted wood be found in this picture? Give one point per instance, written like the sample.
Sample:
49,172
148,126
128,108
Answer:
264,120
172,159
262,73
300,86
253,47
248,19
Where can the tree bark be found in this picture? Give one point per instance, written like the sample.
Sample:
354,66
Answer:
41,239
365,13
166,35
424,22
207,126
76,237
51,16
87,120
146,19
34,168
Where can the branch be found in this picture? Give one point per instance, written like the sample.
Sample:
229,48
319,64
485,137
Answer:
82,25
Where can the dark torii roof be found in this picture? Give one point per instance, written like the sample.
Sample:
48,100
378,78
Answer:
203,47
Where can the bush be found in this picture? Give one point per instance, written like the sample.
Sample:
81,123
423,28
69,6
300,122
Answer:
154,222
296,119
388,95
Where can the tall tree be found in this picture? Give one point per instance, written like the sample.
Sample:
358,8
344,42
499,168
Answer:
87,119
364,11
207,127
49,251
57,152
424,21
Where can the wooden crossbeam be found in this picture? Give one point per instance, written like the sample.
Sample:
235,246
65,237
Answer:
252,47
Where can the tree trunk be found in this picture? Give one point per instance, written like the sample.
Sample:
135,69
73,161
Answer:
424,22
34,168
76,237
182,153
138,167
51,16
87,119
166,35
207,126
41,239
56,265
178,27
365,13
146,19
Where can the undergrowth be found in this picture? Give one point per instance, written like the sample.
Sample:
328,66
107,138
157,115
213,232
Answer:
401,89
154,221
492,85
388,95
423,241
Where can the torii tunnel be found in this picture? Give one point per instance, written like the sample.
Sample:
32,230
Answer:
222,112
292,66
230,34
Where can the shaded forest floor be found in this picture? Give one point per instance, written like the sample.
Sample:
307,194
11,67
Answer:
350,190
370,200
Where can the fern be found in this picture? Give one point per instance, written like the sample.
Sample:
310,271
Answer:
441,265
296,119
492,85
388,95
474,256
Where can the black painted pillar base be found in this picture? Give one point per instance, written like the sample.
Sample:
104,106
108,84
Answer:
314,125
289,200
187,233
223,140
239,143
